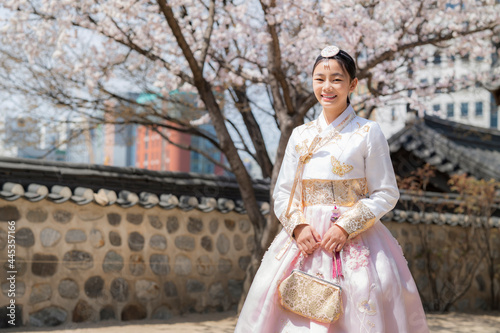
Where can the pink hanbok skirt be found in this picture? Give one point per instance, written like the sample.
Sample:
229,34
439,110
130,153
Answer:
378,292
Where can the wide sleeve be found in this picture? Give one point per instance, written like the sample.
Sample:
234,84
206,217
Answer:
382,186
283,188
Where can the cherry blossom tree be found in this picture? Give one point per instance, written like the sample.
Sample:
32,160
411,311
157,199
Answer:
251,57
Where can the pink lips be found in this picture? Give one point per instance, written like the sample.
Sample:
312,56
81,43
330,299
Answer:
328,98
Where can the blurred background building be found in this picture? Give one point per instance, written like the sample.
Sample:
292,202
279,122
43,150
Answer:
117,143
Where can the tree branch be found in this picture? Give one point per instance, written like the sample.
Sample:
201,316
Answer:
207,34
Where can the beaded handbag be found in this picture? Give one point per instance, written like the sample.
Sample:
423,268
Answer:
310,296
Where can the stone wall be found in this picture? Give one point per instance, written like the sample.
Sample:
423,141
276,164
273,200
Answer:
445,260
89,263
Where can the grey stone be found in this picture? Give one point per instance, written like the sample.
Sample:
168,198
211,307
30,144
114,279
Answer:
25,237
94,286
49,237
135,241
62,216
68,288
223,244
237,242
137,265
172,224
158,242
159,264
481,284
435,266
114,238
20,288
419,250
155,221
235,289
243,262
44,264
135,218
205,266
250,243
462,305
89,214
3,239
37,215
244,226
146,290
213,226
408,251
185,243
9,213
195,286
82,312
216,294
96,239
49,316
107,313
114,219
422,282
225,266
119,289
182,265
133,312
481,304
230,224
75,236
194,226
113,262
40,292
170,289
78,260
207,244
21,266
162,312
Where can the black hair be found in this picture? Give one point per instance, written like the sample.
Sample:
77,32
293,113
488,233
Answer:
344,59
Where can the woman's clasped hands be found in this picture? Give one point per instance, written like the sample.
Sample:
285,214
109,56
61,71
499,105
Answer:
309,240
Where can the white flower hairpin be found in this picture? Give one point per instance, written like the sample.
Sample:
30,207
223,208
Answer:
330,51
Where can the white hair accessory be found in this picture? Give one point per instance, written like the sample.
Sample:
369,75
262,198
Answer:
330,51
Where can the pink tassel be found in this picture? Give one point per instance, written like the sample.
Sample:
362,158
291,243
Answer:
337,266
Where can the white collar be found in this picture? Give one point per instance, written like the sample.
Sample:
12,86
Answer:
321,121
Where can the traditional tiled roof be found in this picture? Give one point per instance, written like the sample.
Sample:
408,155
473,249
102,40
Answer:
451,147
37,180
82,183
451,219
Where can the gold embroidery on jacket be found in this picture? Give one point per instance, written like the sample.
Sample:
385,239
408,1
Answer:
321,191
340,168
357,219
361,130
301,148
294,218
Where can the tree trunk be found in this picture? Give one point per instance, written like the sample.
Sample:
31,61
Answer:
265,237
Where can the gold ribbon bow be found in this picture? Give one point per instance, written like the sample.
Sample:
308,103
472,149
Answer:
303,159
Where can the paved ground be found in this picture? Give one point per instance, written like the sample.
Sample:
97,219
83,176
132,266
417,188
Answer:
488,322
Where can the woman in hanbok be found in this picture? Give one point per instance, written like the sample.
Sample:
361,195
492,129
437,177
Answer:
335,183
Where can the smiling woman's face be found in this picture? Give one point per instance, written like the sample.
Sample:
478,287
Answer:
332,85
